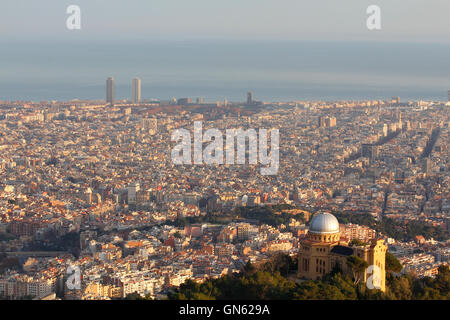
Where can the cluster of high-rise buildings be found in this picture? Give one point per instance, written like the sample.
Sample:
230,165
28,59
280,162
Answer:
135,90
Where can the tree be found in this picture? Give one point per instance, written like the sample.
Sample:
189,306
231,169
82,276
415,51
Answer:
177,235
249,268
358,267
134,296
399,288
252,284
392,263
357,242
433,289
279,262
442,281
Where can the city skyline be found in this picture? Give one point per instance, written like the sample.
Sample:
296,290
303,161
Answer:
250,100
250,150
95,206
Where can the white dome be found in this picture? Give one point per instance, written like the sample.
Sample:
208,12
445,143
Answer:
324,223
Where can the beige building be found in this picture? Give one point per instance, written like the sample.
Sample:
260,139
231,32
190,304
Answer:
352,231
321,250
97,290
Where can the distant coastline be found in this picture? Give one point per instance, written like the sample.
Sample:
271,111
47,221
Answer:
214,70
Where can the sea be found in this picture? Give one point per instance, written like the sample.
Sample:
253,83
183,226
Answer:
216,70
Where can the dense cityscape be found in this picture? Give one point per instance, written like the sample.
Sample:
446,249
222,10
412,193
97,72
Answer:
91,185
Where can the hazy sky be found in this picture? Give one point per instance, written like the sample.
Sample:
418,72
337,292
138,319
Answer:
411,20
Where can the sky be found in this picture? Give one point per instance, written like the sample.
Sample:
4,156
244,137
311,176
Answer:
281,49
411,20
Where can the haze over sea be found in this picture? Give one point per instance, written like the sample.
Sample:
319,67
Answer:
214,70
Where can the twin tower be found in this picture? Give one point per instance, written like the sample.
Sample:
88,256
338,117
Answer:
135,95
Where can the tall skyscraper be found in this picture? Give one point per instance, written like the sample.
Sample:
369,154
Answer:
136,94
448,95
110,90
249,98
